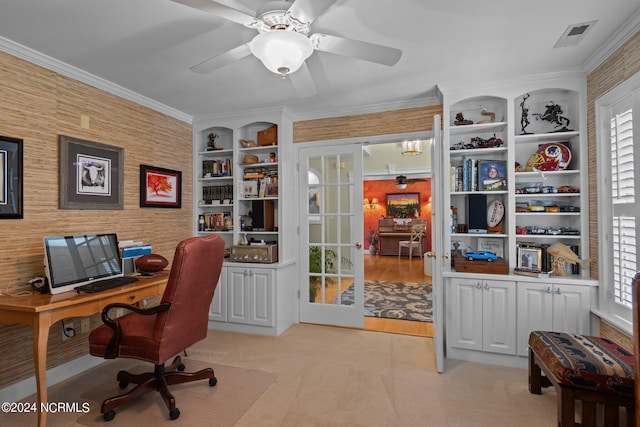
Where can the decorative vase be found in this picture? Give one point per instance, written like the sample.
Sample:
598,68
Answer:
373,250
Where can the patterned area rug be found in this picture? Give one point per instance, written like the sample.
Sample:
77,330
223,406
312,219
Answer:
395,300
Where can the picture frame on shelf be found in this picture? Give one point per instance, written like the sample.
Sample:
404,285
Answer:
160,187
271,190
492,175
491,244
529,258
91,175
11,183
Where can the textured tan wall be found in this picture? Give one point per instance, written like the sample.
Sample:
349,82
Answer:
37,105
385,123
622,64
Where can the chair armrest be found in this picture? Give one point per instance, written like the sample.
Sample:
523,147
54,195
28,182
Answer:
112,350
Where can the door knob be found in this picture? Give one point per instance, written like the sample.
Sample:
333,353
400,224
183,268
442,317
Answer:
358,245
431,254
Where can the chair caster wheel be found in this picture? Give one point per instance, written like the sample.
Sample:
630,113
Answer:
213,381
123,384
108,416
181,367
174,414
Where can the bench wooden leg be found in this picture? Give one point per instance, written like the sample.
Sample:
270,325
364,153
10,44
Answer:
566,407
535,375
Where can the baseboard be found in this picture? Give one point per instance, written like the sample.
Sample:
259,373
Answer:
27,387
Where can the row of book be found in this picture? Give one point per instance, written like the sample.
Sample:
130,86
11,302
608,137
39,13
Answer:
214,168
220,193
215,221
478,175
533,257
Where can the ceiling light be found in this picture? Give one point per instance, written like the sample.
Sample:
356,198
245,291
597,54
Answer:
411,148
281,51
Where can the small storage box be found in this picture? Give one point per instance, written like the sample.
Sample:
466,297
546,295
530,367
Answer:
498,266
265,254
268,136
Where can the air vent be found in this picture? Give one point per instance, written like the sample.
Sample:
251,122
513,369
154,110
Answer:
574,34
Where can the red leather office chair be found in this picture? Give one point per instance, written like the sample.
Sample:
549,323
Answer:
158,333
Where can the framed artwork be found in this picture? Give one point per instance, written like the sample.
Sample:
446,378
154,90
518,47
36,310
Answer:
91,175
530,258
160,188
403,205
10,178
495,245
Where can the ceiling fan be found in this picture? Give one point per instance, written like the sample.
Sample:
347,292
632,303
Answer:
402,181
283,42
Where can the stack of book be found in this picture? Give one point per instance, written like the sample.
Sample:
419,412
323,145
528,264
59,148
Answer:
479,175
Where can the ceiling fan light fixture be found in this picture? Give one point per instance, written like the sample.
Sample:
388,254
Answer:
281,51
411,148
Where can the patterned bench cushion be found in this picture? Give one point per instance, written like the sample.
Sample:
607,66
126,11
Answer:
591,363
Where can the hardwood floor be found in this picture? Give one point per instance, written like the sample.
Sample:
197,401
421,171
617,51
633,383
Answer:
399,269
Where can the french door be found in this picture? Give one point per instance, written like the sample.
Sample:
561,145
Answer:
331,234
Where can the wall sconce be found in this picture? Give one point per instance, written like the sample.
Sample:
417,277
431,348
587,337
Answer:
411,148
370,205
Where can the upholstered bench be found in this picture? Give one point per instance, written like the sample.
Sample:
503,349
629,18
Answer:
593,370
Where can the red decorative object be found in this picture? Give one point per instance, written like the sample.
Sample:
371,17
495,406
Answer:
151,263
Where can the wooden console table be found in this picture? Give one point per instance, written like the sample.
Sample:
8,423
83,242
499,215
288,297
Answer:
40,311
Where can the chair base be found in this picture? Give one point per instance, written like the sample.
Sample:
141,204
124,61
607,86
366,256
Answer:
159,380
568,395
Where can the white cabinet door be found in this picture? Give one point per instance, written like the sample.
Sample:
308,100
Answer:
499,316
218,309
465,324
535,311
261,309
571,308
237,295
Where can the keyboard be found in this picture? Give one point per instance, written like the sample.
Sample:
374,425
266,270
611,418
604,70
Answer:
103,285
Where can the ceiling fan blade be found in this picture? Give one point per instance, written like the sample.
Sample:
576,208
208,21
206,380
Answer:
303,82
306,11
222,11
212,64
357,49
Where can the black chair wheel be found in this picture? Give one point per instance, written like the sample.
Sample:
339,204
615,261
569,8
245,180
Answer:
174,414
108,416
123,384
213,381
181,367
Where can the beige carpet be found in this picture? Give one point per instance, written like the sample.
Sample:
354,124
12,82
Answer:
236,391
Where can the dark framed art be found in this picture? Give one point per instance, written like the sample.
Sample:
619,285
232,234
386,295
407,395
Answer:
403,205
91,175
160,188
10,178
530,258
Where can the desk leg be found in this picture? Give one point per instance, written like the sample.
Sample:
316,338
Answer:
40,341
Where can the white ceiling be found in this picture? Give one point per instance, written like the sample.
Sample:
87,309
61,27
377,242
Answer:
147,47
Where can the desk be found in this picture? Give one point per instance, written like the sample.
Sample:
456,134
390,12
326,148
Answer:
390,233
41,311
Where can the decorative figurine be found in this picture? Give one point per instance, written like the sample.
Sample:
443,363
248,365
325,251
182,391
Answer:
524,118
484,112
552,114
212,142
460,120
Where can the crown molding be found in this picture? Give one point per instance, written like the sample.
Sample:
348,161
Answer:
626,31
67,70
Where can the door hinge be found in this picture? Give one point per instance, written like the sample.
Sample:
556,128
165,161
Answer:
298,293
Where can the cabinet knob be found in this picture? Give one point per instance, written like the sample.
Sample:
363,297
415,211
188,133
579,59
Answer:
250,272
558,291
549,290
245,272
479,285
486,286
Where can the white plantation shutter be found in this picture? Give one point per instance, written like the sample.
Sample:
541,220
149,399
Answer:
625,209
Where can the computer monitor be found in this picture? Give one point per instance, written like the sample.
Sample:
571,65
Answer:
71,261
